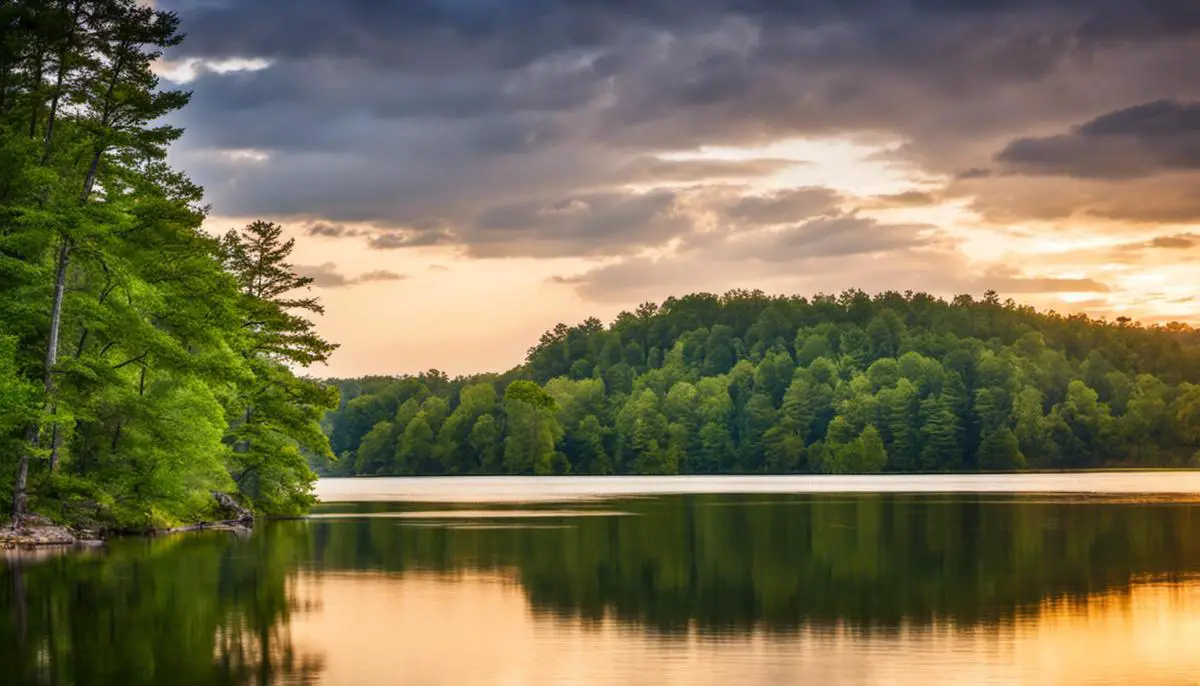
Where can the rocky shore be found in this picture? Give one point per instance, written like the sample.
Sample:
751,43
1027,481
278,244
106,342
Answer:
38,532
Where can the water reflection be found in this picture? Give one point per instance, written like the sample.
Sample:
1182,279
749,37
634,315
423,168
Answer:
197,609
707,589
485,633
736,562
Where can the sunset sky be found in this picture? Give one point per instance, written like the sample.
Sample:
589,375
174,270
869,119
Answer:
460,175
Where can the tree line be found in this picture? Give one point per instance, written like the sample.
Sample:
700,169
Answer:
751,383
144,364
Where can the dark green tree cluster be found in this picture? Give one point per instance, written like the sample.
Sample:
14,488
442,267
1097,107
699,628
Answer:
143,363
748,383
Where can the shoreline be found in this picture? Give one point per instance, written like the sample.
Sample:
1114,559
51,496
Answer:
35,532
40,533
42,536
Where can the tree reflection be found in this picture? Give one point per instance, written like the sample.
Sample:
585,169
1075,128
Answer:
215,609
199,609
723,562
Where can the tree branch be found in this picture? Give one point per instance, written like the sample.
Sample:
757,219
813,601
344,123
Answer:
131,360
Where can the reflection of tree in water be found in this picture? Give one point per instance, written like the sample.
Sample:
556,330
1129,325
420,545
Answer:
262,655
204,609
738,561
213,609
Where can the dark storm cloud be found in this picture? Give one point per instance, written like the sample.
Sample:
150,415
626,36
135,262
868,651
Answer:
327,275
516,32
460,111
1131,142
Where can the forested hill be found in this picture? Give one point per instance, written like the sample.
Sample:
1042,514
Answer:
747,383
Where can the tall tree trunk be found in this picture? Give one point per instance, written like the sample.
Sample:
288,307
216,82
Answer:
60,282
20,505
20,485
53,116
65,253
90,181
59,77
60,286
55,440
20,496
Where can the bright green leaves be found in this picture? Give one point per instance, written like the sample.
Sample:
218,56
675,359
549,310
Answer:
161,353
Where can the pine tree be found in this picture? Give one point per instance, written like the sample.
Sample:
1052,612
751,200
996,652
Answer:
278,414
940,446
258,257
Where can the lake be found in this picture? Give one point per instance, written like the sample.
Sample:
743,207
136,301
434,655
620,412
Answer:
1088,578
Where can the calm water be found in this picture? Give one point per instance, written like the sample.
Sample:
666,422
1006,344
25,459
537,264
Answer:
1049,579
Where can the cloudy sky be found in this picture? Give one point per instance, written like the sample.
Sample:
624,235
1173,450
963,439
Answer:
460,175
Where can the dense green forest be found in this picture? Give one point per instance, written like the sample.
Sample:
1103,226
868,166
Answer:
749,383
144,364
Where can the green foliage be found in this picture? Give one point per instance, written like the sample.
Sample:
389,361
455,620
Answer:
747,383
531,429
1000,451
864,454
143,364
17,405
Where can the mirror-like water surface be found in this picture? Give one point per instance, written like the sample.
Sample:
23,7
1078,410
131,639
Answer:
576,581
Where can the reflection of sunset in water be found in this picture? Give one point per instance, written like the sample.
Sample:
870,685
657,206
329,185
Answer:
475,628
709,589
